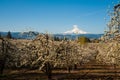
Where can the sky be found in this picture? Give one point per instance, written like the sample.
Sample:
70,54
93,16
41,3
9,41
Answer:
54,16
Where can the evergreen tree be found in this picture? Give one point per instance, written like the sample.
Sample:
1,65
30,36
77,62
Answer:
56,38
9,36
0,35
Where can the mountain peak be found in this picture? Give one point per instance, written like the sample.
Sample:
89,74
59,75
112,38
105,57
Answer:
75,30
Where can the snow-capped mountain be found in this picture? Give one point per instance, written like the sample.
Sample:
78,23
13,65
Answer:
75,30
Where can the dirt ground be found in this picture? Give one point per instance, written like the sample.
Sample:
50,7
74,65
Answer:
84,72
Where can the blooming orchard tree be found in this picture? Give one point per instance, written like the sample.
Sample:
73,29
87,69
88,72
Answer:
40,53
7,54
67,55
60,54
46,54
109,53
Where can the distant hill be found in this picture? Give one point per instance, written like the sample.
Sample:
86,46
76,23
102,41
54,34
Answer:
32,35
74,36
21,35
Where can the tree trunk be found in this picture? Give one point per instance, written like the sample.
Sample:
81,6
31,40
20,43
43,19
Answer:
2,66
69,69
3,58
75,66
48,70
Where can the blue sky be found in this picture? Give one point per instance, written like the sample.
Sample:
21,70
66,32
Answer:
54,16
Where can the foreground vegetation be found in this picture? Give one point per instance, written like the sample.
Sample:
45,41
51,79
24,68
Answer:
44,58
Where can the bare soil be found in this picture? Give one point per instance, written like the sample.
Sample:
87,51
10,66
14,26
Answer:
83,72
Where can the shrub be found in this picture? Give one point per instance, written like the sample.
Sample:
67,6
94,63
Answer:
83,40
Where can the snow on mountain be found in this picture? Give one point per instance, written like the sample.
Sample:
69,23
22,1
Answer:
75,30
